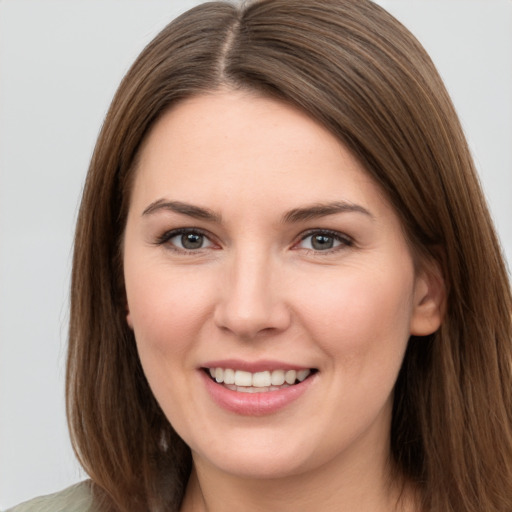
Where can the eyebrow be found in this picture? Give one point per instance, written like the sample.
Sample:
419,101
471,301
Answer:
293,216
323,210
190,210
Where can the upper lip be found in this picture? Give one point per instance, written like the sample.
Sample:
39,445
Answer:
254,366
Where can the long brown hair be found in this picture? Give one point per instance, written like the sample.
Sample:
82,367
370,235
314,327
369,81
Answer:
359,72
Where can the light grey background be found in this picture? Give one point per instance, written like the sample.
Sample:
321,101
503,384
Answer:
60,63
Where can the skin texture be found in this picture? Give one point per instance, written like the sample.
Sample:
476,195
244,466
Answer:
257,289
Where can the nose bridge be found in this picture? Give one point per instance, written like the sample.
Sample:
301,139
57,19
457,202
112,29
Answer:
251,298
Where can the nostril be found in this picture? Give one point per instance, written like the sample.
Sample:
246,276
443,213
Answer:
251,314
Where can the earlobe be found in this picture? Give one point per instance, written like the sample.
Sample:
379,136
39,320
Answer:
429,301
129,318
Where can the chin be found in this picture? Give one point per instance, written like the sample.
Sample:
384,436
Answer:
263,454
258,466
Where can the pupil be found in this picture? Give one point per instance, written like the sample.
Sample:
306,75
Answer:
192,241
320,242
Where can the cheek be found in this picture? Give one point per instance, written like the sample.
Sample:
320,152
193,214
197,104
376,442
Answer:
361,318
167,312
166,308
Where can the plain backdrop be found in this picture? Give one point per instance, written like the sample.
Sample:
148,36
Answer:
60,63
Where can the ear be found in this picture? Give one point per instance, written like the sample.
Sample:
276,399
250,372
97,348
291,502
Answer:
129,318
429,300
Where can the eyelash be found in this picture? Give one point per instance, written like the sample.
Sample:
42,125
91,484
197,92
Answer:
344,240
169,235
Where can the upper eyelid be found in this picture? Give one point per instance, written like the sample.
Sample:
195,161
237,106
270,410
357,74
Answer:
330,232
171,233
345,242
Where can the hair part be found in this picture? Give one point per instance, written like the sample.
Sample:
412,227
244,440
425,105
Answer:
356,70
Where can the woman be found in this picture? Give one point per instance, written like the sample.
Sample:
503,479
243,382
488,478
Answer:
287,290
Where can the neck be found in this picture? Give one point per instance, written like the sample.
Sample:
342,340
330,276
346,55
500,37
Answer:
324,489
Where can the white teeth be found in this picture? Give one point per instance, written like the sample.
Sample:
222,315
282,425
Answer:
229,376
251,389
290,376
243,378
277,377
302,374
261,379
239,380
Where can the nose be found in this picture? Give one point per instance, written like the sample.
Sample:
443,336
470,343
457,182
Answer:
251,300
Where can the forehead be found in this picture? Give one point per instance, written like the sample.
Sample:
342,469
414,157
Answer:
229,148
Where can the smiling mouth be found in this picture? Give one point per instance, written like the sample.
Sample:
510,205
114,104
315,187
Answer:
259,382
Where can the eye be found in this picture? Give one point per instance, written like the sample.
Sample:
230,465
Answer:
185,240
323,241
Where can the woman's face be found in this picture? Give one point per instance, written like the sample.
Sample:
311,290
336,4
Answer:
257,249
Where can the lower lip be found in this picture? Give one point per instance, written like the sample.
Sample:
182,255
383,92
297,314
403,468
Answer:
255,404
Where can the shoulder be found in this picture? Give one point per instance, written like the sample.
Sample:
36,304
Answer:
77,498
